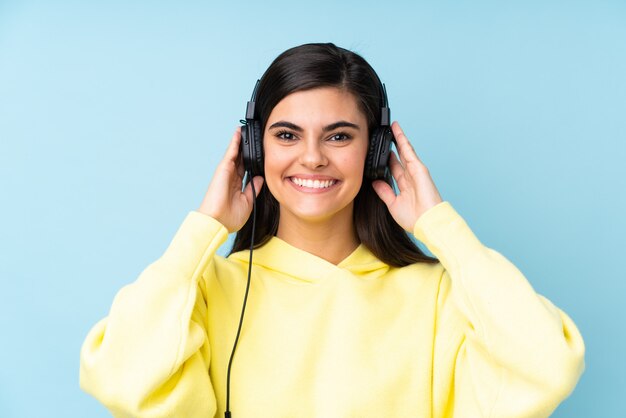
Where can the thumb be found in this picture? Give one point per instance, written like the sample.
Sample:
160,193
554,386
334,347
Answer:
384,191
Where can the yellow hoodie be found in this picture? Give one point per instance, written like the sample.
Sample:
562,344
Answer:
465,338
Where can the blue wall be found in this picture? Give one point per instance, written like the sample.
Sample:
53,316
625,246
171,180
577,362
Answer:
113,117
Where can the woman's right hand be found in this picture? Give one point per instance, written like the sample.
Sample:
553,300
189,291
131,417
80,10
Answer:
224,201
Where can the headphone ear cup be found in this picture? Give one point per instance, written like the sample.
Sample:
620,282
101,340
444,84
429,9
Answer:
379,151
370,172
252,148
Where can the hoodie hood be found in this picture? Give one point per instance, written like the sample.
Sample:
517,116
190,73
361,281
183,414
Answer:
279,256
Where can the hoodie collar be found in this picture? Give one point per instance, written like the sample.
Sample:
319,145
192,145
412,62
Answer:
301,265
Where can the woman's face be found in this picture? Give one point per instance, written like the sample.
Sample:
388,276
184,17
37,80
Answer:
315,142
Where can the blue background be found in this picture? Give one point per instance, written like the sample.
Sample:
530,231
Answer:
114,115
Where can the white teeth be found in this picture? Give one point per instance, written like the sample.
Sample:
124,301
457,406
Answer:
313,184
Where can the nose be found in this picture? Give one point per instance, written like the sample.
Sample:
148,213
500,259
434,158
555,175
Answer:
313,155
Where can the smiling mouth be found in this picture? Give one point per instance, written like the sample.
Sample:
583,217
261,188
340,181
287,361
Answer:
312,184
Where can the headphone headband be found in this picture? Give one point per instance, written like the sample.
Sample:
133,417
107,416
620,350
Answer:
384,110
251,107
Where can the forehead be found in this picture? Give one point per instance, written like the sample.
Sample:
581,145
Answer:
321,105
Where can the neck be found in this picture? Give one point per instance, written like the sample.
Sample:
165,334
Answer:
332,239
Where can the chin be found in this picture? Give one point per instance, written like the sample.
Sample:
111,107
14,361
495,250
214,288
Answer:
317,213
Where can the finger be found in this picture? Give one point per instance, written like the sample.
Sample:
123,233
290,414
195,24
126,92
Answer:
240,165
258,184
232,157
405,149
397,171
384,191
233,148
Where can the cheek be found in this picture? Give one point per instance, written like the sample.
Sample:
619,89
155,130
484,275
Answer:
351,164
355,159
275,164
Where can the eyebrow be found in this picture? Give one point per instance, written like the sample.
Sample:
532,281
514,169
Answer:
338,124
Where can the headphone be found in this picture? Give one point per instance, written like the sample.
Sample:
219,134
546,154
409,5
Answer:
376,162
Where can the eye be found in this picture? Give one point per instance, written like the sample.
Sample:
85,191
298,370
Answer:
285,135
340,136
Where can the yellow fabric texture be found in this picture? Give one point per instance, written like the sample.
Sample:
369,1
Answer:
464,338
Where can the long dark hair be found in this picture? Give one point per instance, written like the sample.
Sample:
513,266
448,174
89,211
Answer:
315,65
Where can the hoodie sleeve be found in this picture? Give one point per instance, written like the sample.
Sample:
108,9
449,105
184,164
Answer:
150,356
501,349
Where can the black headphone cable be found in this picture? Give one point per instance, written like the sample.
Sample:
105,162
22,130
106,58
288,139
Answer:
245,299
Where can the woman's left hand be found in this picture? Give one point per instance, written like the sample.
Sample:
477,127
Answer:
417,192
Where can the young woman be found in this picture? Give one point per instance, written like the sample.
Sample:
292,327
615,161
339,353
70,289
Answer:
346,317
